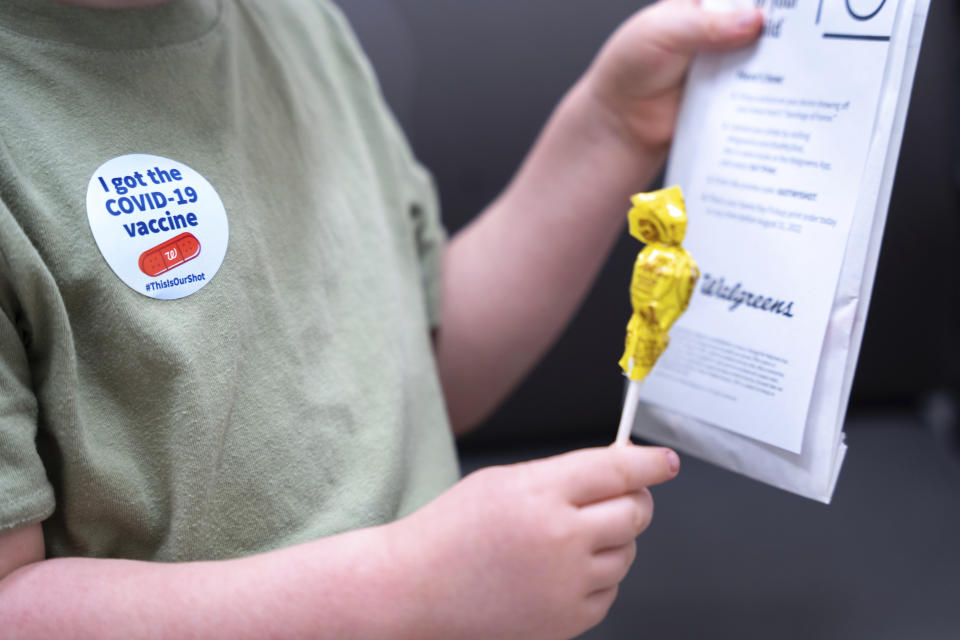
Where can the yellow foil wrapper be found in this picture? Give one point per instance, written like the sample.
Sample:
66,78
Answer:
664,276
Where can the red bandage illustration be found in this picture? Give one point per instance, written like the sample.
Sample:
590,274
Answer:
170,254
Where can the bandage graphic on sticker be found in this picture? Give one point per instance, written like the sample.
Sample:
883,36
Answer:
170,254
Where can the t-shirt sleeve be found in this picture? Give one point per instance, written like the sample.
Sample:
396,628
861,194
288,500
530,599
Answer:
421,197
26,496
431,238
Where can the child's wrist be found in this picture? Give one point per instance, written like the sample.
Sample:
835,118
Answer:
613,126
405,582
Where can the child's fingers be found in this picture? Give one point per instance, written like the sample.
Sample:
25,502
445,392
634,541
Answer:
618,521
683,27
599,602
591,475
609,567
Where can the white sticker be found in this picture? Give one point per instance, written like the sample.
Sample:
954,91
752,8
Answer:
159,224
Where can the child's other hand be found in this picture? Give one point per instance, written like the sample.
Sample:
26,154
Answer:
638,74
533,550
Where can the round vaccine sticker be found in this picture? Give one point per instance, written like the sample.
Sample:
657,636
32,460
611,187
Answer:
159,224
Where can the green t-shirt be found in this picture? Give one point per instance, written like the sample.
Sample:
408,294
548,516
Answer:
295,394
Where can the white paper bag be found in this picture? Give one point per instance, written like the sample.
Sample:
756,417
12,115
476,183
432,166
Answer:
760,434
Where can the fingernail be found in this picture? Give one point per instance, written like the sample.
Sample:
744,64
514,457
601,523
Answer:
673,461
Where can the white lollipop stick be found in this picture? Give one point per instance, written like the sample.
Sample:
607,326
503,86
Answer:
629,413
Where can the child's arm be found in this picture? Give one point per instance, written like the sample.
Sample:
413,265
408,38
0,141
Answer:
530,551
515,276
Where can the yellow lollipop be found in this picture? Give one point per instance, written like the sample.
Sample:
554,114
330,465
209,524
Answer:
664,276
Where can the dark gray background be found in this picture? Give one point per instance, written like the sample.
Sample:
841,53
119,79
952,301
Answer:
472,83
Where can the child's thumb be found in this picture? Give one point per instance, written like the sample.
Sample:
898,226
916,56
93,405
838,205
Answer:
683,27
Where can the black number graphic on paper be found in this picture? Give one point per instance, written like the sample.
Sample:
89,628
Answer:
864,14
850,25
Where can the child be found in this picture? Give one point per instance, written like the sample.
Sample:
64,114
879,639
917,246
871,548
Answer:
232,334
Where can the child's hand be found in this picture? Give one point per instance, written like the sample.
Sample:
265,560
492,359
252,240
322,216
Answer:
533,550
638,75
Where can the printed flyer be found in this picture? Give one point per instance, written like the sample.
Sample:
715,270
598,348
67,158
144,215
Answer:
786,154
